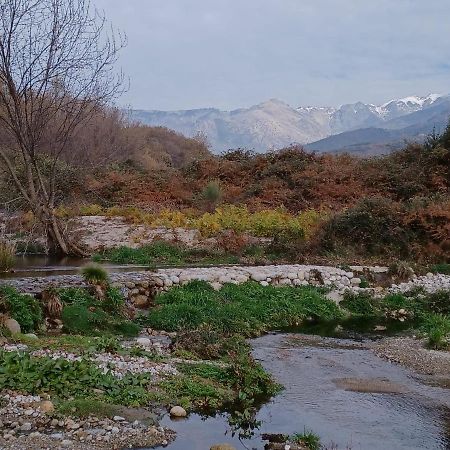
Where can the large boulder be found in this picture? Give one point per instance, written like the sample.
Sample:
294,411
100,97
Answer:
12,325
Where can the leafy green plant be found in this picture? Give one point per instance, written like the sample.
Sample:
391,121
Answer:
22,372
308,438
22,307
108,344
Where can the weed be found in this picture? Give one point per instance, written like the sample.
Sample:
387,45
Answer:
308,438
437,328
22,307
7,255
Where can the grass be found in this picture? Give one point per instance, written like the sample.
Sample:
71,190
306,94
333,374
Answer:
86,315
164,253
94,274
7,256
248,309
437,328
85,407
441,268
430,312
308,438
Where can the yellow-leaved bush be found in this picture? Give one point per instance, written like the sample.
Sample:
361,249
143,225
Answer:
263,223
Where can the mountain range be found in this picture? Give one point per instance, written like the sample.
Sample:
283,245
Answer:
357,127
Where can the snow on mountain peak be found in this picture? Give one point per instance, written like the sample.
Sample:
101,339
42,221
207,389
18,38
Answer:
414,100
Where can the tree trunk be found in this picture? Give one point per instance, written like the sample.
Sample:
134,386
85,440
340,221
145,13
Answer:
58,241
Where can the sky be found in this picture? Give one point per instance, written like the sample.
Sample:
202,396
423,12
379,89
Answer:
228,54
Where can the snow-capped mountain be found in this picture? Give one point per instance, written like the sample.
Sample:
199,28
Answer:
274,124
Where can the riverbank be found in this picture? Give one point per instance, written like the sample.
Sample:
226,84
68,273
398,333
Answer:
96,360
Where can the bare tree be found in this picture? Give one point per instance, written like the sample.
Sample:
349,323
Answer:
57,70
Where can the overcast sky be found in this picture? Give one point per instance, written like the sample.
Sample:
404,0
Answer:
185,54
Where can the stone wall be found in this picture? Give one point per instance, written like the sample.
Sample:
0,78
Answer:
141,287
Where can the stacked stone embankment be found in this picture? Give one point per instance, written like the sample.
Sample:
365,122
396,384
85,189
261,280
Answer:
141,287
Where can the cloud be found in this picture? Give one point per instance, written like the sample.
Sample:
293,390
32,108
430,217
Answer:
233,53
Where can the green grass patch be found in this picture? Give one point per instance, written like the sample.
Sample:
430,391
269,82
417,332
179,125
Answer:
84,314
441,268
164,253
85,407
248,309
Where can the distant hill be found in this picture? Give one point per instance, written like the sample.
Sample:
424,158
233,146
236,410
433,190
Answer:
357,127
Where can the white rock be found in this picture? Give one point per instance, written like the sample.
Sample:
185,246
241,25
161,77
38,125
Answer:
178,411
144,342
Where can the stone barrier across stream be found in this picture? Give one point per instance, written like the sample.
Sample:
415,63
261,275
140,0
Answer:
141,287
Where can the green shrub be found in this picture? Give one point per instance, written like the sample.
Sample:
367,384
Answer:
94,274
212,192
361,304
114,301
7,255
86,315
76,296
21,307
372,227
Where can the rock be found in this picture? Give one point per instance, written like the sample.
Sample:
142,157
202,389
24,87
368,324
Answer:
119,419
115,430
66,443
140,301
222,447
144,342
356,281
27,426
12,325
31,336
54,422
178,411
335,296
46,406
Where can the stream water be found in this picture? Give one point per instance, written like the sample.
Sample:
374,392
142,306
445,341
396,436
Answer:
340,390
